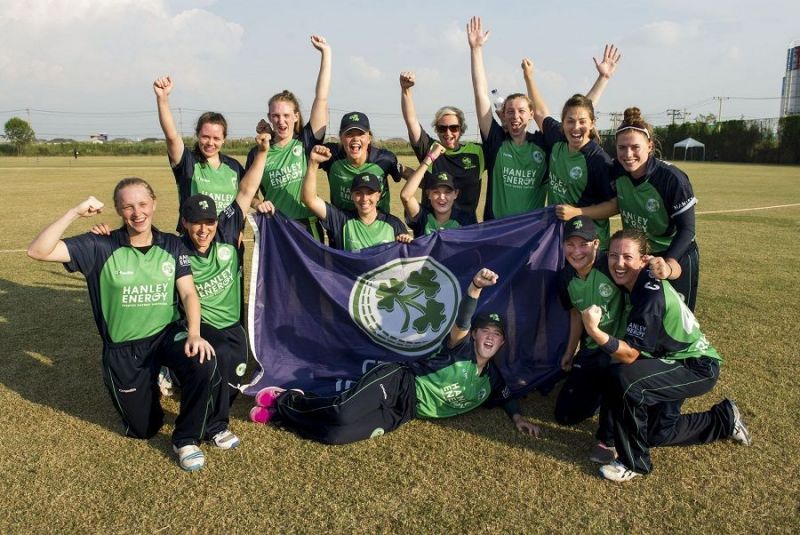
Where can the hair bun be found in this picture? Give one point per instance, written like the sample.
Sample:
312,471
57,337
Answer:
632,114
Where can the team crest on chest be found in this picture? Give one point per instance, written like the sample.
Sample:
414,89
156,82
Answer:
538,156
575,173
297,150
605,290
168,268
224,254
652,205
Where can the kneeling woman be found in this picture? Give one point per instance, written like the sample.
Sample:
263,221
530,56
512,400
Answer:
133,276
458,379
663,359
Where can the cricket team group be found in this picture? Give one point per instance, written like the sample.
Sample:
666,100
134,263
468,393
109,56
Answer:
635,352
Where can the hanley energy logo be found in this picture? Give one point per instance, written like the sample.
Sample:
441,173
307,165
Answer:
407,305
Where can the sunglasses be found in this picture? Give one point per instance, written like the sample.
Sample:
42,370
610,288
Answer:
442,128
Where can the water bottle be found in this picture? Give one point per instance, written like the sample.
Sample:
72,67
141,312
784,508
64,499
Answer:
498,100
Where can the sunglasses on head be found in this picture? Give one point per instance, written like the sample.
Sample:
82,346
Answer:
442,128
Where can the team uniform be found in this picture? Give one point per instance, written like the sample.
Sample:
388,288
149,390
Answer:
582,392
347,232
443,385
676,362
579,178
283,176
661,204
217,277
516,173
193,177
425,223
464,163
380,162
135,307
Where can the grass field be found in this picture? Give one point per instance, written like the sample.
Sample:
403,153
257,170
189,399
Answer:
65,467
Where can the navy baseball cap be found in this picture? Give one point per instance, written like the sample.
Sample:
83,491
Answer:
440,178
487,319
354,119
581,226
366,180
199,208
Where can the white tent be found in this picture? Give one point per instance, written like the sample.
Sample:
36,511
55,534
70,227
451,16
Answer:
686,144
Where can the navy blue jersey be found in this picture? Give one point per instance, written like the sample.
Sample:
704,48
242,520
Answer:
347,232
425,222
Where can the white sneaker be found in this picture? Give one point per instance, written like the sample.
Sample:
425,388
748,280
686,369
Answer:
165,382
740,432
225,440
618,472
190,457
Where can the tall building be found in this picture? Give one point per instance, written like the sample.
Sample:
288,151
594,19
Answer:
790,94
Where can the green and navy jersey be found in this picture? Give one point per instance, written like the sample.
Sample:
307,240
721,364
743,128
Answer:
426,223
580,178
516,173
284,171
464,163
221,184
651,203
218,274
660,325
132,292
380,162
598,288
448,383
347,232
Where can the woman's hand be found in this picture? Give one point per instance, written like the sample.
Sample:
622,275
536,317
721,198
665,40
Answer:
475,34
197,346
608,65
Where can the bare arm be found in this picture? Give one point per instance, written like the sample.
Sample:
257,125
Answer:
408,193
602,210
575,330
483,278
248,187
319,154
195,345
48,245
319,108
540,109
605,69
162,87
407,81
483,107
591,322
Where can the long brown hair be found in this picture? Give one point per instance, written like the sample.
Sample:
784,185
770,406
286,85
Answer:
288,96
582,101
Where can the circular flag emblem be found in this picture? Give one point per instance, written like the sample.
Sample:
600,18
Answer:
407,305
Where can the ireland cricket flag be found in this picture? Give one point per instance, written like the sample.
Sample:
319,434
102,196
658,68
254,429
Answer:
320,318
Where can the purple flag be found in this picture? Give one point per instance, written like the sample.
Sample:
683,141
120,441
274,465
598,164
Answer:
320,318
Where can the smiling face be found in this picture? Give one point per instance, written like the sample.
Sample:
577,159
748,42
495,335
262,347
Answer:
201,233
135,206
442,199
449,131
356,144
488,341
578,125
283,116
210,139
625,261
366,201
580,253
633,151
517,115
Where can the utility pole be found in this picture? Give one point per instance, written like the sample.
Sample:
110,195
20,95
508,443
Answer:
675,114
615,117
719,115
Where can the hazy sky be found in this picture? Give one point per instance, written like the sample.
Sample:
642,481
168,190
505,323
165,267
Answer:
86,66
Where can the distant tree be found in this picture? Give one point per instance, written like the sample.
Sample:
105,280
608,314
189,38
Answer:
19,133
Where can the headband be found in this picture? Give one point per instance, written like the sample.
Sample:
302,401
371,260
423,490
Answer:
629,127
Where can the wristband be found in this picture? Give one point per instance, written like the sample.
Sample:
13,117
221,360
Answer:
430,157
611,346
465,311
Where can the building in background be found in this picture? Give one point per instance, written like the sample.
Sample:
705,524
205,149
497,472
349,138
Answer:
790,94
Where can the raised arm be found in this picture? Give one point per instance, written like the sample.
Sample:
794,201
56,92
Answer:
540,110
319,154
619,350
319,109
162,87
195,345
251,180
605,69
466,309
483,107
407,194
48,245
407,81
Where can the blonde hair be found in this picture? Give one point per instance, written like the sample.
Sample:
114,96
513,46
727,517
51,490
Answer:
450,110
131,181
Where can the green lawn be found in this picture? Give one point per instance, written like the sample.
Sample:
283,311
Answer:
64,466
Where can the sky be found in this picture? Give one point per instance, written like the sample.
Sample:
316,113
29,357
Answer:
78,67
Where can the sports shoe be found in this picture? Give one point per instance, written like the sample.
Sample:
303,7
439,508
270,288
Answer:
618,472
740,432
602,454
190,458
261,415
225,440
165,382
266,396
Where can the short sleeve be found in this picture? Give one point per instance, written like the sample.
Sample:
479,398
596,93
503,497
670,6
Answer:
552,133
644,320
83,251
231,224
422,146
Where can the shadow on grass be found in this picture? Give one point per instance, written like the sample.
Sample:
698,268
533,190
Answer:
52,352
